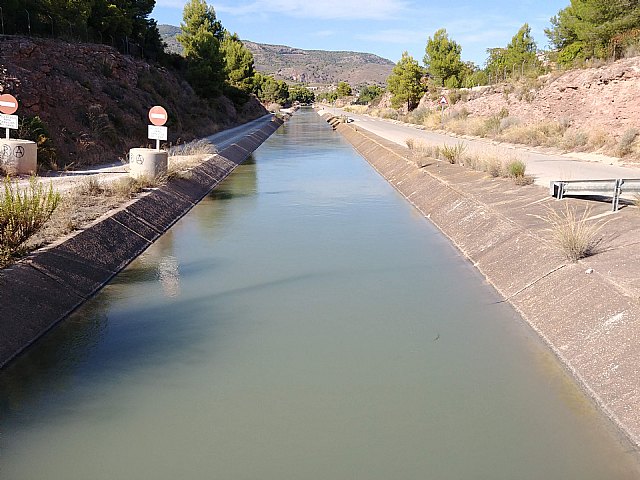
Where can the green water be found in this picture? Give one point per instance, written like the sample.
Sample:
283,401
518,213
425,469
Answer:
303,322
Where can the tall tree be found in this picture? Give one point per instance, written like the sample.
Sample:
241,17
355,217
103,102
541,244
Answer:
200,38
405,82
343,90
301,94
521,50
274,91
238,62
585,28
442,59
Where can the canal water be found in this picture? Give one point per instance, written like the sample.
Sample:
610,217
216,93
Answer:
302,322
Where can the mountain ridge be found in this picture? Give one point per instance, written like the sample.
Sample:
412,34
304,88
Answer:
306,66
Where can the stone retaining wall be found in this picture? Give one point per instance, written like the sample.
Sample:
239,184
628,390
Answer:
587,312
37,293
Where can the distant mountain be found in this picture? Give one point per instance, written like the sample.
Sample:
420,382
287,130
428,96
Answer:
310,66
168,34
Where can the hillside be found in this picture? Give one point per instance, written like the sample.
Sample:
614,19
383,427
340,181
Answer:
94,101
310,66
582,110
605,97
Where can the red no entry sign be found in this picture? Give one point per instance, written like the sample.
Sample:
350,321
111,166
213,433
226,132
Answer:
158,115
8,104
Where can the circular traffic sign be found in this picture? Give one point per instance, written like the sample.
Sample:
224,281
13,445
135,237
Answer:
8,104
158,115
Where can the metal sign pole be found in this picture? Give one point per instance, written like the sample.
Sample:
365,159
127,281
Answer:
7,133
157,144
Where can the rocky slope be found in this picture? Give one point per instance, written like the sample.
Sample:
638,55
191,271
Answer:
310,66
94,101
604,98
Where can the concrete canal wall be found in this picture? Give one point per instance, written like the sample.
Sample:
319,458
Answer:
39,292
587,312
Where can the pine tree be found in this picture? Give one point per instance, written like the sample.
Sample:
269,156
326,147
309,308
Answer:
520,51
442,59
585,28
200,38
405,82
239,68
343,89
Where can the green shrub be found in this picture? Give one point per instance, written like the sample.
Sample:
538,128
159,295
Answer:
516,168
23,211
417,116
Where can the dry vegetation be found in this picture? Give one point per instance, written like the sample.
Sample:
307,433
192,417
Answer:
495,164
576,235
505,128
582,110
91,198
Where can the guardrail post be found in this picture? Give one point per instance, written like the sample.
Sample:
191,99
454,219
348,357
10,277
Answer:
616,195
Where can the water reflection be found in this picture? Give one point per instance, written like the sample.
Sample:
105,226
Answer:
51,365
304,324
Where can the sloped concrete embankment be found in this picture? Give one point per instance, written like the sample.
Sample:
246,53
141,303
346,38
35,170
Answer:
38,293
587,312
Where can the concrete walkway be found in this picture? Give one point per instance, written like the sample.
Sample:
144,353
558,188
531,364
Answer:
545,167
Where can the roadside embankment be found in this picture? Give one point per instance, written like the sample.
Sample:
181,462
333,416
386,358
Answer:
588,312
40,291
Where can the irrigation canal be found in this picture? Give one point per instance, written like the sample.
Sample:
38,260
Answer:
301,322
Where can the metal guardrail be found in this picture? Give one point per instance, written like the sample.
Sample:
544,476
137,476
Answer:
613,188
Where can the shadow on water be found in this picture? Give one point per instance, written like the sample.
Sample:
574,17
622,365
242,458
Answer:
79,346
53,362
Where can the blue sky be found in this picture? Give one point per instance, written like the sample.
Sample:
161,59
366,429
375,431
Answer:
383,27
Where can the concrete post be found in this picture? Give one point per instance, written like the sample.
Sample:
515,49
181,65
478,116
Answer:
147,162
18,157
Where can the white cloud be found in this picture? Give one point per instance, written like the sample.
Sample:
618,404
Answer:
326,10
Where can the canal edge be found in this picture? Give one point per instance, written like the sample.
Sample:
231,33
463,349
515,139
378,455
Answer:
590,323
40,291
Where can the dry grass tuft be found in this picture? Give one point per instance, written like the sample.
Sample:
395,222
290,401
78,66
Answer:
625,144
453,154
575,235
422,151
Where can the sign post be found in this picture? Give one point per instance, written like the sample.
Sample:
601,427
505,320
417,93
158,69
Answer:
16,156
443,103
8,106
158,117
147,162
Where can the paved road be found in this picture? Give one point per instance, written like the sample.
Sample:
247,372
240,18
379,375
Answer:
64,181
544,167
